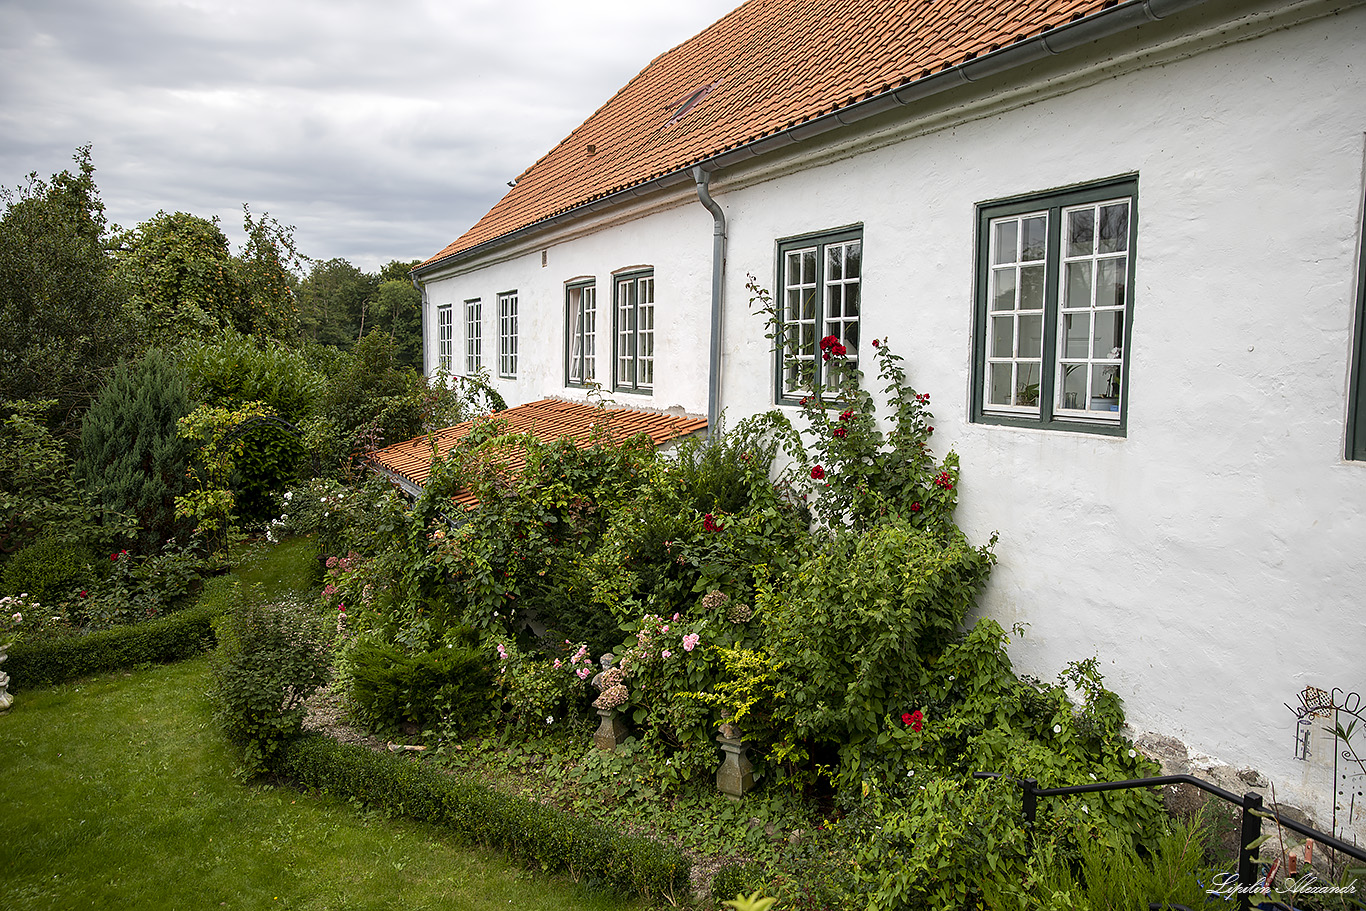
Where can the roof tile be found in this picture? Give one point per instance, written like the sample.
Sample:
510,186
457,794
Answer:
548,419
773,64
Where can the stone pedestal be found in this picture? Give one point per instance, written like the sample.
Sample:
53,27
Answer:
736,774
6,700
611,732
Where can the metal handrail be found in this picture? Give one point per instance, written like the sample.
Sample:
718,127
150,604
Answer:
1250,828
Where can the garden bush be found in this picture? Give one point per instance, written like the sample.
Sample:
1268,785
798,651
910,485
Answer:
45,662
272,657
451,686
132,458
49,571
538,835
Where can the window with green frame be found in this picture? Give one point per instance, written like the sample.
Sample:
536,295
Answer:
1053,308
820,285
633,337
581,333
1356,401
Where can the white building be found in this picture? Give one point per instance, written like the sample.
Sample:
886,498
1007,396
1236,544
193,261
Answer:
1119,245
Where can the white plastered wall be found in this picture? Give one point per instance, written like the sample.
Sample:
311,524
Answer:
1212,559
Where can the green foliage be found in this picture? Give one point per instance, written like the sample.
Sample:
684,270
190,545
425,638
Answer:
61,309
271,658
48,571
451,686
44,662
218,434
541,836
738,880
267,273
38,494
396,310
334,301
132,457
854,626
181,276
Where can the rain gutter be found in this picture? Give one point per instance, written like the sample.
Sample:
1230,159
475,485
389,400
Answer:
1058,40
718,267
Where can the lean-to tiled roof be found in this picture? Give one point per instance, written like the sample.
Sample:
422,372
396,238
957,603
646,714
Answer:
767,66
548,419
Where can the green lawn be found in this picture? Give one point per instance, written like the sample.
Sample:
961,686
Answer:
117,792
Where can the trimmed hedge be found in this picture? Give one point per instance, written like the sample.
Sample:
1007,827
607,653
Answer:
538,835
183,634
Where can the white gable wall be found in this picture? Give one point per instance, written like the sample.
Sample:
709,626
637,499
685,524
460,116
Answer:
1213,557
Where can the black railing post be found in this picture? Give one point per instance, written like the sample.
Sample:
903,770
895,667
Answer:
1247,855
1030,799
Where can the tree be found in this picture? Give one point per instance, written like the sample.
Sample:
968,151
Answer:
182,277
397,310
132,458
334,301
62,324
267,273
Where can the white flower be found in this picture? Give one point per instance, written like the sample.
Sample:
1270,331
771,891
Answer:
1132,754
549,719
18,618
289,495
1057,729
1085,809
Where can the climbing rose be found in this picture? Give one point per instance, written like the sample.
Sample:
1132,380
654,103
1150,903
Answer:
943,480
913,720
916,507
709,523
875,343
840,433
818,473
690,641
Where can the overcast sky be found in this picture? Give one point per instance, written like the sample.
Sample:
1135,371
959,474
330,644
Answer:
379,130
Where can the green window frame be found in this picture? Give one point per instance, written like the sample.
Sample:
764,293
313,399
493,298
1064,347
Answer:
633,331
1054,308
1356,398
580,333
819,293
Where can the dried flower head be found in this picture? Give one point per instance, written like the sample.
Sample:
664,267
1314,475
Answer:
613,697
714,600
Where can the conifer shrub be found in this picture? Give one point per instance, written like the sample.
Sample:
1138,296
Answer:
132,458
451,685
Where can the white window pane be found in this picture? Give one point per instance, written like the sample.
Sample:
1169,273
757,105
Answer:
834,263
1005,236
1031,287
1078,282
1076,335
1031,336
1003,288
1027,383
1073,388
1105,389
1109,335
1034,243
853,259
1002,336
1114,227
1081,229
1111,275
1000,386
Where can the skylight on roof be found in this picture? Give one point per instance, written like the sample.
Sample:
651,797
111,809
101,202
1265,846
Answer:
694,98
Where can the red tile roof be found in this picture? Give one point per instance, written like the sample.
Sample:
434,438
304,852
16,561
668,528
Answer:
548,419
767,66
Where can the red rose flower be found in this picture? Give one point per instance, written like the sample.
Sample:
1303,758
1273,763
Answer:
818,473
907,718
875,343
916,722
709,523
916,507
840,433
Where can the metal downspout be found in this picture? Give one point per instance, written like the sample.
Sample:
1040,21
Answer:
718,266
